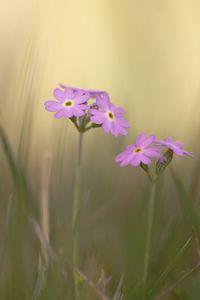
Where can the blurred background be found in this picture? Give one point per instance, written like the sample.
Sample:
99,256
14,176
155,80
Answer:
145,54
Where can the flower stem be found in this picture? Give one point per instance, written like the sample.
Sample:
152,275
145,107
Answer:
75,209
149,235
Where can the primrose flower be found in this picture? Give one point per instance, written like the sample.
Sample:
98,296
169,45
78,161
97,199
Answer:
108,116
140,152
175,146
69,102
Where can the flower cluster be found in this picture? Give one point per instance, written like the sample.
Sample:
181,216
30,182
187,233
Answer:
145,148
72,103
148,147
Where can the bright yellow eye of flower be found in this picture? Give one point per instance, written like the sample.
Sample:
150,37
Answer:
111,115
137,150
68,103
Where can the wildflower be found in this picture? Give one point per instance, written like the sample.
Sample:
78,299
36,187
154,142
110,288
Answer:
69,102
140,152
175,146
73,103
108,116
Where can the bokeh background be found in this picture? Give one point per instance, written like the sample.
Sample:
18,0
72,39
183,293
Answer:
145,54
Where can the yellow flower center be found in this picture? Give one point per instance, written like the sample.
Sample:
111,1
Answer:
111,115
136,150
68,103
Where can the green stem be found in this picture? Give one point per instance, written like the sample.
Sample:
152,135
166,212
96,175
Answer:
75,209
149,235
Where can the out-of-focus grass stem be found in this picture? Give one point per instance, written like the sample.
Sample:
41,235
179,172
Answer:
46,172
75,208
170,266
150,218
43,259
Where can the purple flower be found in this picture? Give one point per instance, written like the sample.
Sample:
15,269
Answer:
109,116
140,152
72,102
175,146
69,102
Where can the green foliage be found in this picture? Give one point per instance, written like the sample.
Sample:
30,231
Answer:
112,230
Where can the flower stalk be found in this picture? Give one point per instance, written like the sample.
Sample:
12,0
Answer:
75,211
150,218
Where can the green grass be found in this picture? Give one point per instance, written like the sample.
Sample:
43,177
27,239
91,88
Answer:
112,236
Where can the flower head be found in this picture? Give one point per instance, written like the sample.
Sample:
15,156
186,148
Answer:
139,152
72,103
109,116
69,102
175,146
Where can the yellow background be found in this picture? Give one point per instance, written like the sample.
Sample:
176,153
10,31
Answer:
146,54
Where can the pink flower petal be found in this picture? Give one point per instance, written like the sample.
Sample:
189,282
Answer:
145,159
188,153
63,95
77,112
168,140
107,126
152,152
81,99
68,112
119,128
140,138
103,101
119,112
127,160
123,123
82,106
98,119
179,144
122,156
60,114
52,105
136,160
148,141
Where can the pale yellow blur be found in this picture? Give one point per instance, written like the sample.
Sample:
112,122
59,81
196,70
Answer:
146,54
